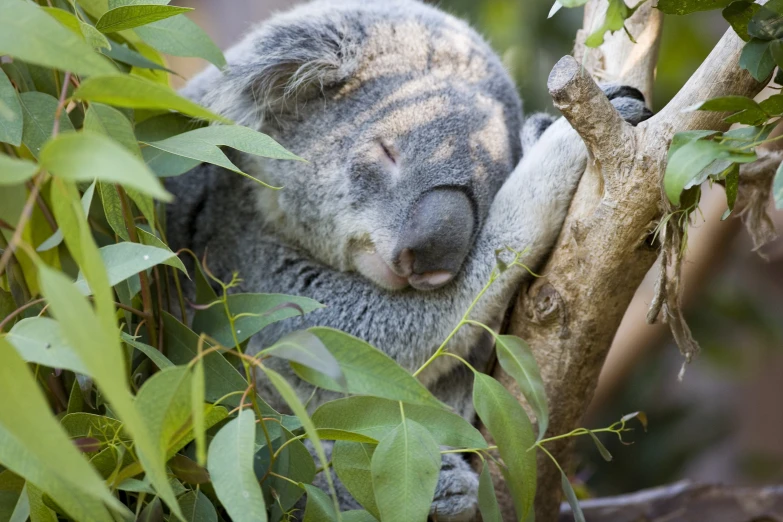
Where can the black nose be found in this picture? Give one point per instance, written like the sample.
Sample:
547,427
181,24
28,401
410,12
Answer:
436,238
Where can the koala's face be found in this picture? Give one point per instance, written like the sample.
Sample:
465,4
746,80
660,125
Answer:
407,145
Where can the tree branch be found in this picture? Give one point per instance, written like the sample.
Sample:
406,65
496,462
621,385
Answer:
570,315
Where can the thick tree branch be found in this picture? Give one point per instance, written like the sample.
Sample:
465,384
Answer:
570,315
686,501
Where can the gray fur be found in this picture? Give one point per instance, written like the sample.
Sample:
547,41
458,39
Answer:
336,83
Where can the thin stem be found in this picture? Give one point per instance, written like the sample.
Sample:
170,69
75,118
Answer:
18,311
146,296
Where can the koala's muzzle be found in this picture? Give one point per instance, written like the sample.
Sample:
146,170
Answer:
435,239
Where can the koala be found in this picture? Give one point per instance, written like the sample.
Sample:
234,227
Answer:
419,167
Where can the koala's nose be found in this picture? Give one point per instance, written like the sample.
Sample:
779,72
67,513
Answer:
435,239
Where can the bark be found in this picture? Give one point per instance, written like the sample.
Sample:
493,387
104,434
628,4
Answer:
687,502
571,314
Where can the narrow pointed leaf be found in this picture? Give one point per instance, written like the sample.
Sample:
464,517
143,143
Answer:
123,260
352,463
509,425
179,36
319,507
306,349
15,171
570,495
139,93
130,16
230,464
38,110
10,113
29,34
487,500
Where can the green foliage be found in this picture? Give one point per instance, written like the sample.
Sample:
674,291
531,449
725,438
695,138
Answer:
116,409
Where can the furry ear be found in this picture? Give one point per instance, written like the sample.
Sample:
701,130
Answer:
283,63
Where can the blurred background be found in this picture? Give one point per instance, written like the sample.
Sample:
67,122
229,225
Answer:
724,421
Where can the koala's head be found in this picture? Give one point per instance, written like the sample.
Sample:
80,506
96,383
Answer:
407,119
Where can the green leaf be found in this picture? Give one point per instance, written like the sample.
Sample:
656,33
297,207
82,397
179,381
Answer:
10,113
121,53
93,335
197,398
367,370
738,14
572,3
57,237
288,394
166,165
757,59
94,37
748,117
34,446
732,186
230,464
165,406
570,495
616,15
253,313
777,188
160,360
112,209
487,500
39,511
179,36
319,506
65,18
203,145
220,376
509,425
293,461
357,515
40,340
38,110
773,105
103,428
681,7
306,349
601,448
110,122
766,24
375,417
332,434
148,239
187,470
352,461
123,260
197,508
139,93
689,160
15,171
130,16
29,34
85,156
405,468
726,104
516,358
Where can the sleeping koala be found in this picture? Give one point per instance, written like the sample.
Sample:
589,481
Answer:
419,168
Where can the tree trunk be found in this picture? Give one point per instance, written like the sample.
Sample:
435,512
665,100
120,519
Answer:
570,315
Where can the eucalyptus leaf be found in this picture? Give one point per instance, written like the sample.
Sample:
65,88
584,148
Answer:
121,53
197,508
253,313
306,349
165,406
487,500
139,93
57,237
230,464
40,340
777,188
405,468
757,59
38,110
110,122
571,498
112,209
85,156
15,171
29,34
148,239
509,425
516,358
123,260
367,370
319,507
352,461
179,36
10,113
375,417
130,16
739,14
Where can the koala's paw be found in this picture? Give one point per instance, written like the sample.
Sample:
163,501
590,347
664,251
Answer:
629,102
456,496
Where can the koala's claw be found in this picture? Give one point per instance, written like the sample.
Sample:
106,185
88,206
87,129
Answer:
629,102
456,496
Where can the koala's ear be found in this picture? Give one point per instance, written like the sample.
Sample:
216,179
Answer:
282,64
